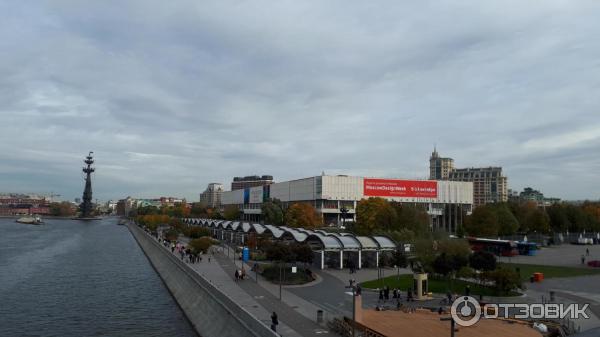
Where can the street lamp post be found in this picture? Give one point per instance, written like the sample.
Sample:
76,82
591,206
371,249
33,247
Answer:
344,210
353,287
280,281
452,324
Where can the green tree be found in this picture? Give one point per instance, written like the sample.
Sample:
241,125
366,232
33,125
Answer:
442,264
482,222
507,222
272,212
148,210
195,232
303,253
505,279
171,234
280,252
538,221
198,210
399,259
412,217
63,208
523,212
200,245
482,261
368,212
559,220
302,215
231,212
402,236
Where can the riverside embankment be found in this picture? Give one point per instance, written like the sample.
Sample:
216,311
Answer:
211,312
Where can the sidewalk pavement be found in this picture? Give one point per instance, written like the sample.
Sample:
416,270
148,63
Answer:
215,274
292,310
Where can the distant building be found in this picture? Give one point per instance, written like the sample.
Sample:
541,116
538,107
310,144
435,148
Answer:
170,201
148,203
529,194
211,197
489,185
240,183
440,168
446,202
125,206
18,204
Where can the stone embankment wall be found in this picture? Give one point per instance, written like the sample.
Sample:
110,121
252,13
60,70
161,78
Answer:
211,312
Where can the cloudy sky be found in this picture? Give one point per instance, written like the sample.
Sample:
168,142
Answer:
172,95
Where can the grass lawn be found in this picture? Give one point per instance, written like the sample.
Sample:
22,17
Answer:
550,271
439,286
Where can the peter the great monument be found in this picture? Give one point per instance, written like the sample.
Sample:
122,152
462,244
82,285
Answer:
86,208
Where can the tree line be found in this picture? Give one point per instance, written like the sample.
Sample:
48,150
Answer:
494,220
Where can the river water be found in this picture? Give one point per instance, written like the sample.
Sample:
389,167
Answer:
73,278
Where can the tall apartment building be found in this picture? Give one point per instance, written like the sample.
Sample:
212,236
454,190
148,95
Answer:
439,168
240,183
489,185
211,197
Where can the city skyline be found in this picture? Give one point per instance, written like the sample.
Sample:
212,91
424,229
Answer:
171,97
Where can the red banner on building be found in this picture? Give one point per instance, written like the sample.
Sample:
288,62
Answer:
400,188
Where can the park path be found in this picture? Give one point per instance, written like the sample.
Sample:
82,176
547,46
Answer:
286,310
253,296
216,275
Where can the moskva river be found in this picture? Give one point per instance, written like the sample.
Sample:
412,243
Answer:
73,278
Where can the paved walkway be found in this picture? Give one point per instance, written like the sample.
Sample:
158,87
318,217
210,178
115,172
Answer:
562,255
215,274
286,310
293,313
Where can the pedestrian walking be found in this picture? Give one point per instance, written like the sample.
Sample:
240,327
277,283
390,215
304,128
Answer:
274,321
380,295
582,259
587,251
386,293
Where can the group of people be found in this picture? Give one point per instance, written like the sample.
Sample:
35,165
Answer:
240,274
185,253
384,294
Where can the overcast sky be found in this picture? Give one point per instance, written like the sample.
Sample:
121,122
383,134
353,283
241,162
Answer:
172,95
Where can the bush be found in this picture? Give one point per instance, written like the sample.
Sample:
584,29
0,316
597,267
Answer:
280,252
201,245
303,275
504,279
171,234
483,261
465,273
195,232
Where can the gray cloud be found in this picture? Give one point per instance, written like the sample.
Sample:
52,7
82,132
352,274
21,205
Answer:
173,96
